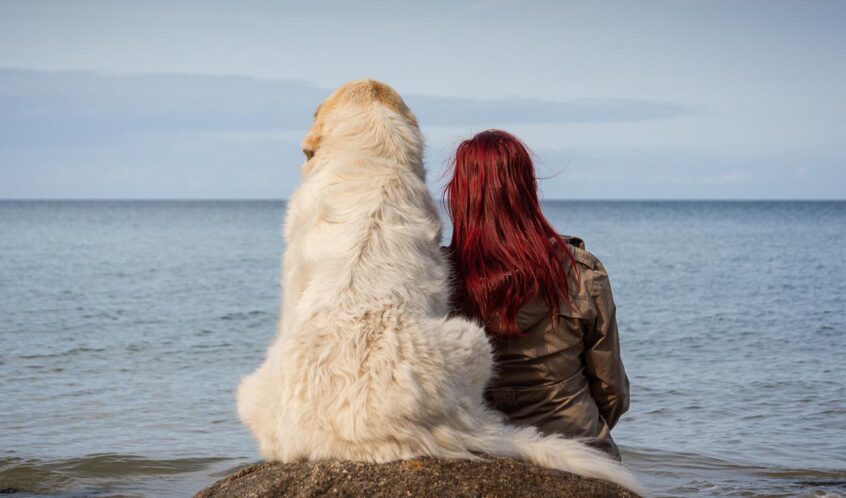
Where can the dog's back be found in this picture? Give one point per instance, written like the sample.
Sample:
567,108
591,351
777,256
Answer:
365,366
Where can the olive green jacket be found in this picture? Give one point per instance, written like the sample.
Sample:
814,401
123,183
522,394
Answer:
564,374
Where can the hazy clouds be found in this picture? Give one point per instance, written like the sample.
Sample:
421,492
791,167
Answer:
81,133
210,99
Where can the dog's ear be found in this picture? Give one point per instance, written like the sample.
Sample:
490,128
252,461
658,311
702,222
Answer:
310,145
311,142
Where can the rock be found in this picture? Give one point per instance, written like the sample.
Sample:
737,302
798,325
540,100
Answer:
418,478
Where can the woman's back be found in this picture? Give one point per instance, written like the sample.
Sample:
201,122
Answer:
564,374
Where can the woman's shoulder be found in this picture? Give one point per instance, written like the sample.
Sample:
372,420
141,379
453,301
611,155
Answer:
583,257
592,276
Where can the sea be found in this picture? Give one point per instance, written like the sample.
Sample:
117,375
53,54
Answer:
126,326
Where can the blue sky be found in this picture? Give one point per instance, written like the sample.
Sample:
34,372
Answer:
619,100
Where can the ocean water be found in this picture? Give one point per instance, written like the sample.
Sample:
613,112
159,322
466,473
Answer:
125,327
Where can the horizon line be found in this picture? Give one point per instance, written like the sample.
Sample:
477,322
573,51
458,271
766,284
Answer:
269,199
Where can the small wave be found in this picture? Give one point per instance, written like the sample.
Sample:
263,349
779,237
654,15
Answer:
828,331
69,352
17,475
694,460
683,473
107,464
136,347
100,316
830,475
62,475
222,345
243,315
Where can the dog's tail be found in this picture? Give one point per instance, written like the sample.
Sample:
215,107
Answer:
526,443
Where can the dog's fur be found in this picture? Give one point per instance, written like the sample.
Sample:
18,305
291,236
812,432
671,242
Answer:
366,365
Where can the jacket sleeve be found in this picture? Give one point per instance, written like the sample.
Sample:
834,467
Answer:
608,382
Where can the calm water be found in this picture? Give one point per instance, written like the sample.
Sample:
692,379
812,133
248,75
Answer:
126,326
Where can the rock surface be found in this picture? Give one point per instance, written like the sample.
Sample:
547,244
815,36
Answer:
418,478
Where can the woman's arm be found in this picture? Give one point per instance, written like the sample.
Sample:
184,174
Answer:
608,382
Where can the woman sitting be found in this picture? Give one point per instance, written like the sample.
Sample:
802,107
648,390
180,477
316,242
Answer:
545,301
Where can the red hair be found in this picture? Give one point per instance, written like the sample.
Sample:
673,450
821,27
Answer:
504,251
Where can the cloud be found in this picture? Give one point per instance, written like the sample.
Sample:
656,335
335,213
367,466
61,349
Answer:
445,111
69,103
82,134
91,134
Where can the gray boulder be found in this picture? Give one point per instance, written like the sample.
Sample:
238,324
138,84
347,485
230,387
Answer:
418,478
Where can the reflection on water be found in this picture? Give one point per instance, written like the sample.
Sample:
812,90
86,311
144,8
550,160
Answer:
126,327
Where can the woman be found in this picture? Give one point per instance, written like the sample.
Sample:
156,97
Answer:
545,301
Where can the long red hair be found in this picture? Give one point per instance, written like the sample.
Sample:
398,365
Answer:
504,251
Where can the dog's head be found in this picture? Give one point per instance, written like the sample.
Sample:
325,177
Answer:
365,113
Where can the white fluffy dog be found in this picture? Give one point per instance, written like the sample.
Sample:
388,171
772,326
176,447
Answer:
366,366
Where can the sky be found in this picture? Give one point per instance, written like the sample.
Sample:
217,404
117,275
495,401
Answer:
618,100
